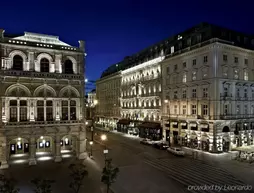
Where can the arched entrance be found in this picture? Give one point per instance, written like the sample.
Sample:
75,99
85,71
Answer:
44,144
19,146
68,145
226,139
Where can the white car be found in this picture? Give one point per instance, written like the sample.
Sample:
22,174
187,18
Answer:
176,151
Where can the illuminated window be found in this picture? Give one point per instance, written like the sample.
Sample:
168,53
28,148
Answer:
246,75
193,109
184,77
205,109
194,75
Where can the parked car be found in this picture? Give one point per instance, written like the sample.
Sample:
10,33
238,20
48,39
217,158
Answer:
161,145
176,151
146,142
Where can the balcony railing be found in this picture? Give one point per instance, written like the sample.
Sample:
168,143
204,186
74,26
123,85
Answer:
42,122
41,74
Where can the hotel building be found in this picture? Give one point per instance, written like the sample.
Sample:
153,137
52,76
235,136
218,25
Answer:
199,84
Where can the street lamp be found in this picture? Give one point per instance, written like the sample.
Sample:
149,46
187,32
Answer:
91,148
103,137
86,80
105,151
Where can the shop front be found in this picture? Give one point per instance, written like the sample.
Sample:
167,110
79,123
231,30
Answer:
184,139
204,141
193,142
150,130
123,125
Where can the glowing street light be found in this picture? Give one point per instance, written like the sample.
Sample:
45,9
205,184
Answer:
103,137
95,102
86,80
91,149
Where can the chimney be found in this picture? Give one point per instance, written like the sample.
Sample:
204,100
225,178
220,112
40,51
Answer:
2,33
82,45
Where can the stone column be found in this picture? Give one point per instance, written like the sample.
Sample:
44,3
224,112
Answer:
31,111
58,157
58,65
4,162
31,61
81,149
32,151
57,110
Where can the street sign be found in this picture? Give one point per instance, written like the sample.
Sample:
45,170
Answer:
105,151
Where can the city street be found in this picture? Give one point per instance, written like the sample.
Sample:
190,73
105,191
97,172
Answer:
146,169
143,169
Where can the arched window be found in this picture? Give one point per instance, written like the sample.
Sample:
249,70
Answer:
68,67
17,62
44,65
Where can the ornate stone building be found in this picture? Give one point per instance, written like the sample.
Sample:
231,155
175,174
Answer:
208,92
42,92
108,90
199,84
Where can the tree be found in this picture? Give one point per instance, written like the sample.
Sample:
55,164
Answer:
42,185
7,185
77,174
109,174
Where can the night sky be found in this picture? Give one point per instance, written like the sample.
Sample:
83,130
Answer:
115,29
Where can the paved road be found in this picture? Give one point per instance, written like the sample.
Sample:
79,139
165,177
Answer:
143,169
181,173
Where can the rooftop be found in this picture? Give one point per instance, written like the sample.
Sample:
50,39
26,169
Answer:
192,36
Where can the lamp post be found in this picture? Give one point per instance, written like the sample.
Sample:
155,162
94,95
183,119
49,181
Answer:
91,149
105,151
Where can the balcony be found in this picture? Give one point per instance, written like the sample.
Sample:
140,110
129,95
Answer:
41,74
226,96
43,123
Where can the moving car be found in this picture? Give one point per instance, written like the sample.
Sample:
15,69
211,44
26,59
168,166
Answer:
176,151
161,145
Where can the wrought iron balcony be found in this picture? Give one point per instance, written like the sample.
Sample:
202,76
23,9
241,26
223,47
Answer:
42,123
41,74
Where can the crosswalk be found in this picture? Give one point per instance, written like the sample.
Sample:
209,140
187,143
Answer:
195,175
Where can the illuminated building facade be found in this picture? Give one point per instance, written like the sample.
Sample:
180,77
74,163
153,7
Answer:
198,84
208,91
42,106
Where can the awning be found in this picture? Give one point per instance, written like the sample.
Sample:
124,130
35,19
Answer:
183,134
193,124
150,125
193,136
204,126
174,123
183,124
124,122
204,138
